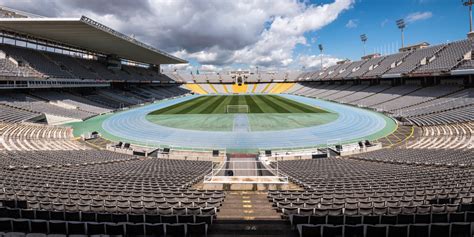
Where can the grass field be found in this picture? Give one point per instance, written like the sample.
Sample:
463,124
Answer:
257,104
258,122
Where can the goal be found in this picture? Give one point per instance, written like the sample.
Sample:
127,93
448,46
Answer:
237,109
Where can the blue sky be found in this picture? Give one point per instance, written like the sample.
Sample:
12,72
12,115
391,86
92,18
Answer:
376,18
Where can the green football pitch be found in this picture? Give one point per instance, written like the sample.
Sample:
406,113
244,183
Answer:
255,104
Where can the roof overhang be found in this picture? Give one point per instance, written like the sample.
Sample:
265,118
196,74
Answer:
460,72
394,75
86,34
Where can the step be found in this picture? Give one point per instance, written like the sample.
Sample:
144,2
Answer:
239,204
237,201
243,228
247,205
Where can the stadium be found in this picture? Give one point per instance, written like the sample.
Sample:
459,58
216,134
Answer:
99,137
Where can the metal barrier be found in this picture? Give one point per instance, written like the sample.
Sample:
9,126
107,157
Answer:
250,173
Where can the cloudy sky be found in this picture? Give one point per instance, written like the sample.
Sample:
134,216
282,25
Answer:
273,34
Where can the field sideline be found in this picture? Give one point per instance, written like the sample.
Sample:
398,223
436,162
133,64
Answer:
257,104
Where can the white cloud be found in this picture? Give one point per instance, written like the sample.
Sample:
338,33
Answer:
184,67
418,16
314,61
276,44
212,32
352,23
204,56
207,67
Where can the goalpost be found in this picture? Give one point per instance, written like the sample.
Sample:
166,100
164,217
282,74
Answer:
237,109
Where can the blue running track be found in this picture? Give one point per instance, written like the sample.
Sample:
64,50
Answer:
352,124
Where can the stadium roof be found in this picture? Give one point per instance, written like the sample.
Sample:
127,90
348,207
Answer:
89,35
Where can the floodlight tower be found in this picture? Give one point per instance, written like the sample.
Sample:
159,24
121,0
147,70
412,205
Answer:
401,25
321,54
364,39
469,4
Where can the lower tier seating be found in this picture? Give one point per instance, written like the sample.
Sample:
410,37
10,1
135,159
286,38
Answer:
448,157
14,115
335,189
422,106
457,229
452,136
101,192
87,224
36,137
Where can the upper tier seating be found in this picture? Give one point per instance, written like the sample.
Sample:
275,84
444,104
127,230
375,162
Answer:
467,64
37,60
448,58
341,70
36,63
434,59
386,64
8,68
73,65
327,73
366,67
349,69
414,60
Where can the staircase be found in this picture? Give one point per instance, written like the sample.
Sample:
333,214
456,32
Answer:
247,205
249,213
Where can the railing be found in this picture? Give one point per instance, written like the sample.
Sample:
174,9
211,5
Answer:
218,174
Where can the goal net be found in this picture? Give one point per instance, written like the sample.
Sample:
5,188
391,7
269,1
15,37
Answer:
237,109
